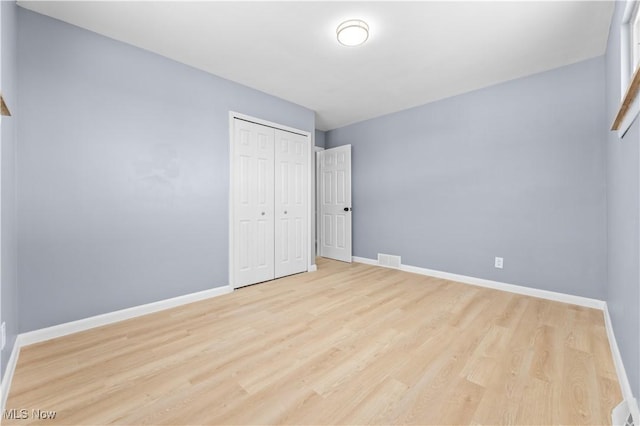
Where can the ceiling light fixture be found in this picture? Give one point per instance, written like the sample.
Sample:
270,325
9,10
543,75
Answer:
353,32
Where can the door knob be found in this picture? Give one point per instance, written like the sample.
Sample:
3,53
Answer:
346,209
285,212
262,213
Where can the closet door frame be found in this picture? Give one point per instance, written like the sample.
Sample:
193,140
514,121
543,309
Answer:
310,189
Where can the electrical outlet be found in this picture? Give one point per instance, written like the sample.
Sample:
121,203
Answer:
499,262
3,335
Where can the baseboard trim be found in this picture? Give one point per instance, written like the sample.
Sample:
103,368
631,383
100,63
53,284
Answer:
8,373
60,330
623,379
366,261
312,268
496,285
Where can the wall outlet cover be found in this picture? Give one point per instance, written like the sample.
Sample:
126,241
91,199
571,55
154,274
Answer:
499,262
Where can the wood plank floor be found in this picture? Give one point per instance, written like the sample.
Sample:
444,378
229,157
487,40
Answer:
349,344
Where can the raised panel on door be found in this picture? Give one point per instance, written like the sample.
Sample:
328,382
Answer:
291,203
253,195
335,203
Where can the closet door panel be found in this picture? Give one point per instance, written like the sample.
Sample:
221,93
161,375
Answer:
253,197
291,202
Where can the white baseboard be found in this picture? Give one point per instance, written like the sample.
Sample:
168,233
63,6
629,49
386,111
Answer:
312,268
60,330
623,379
8,373
512,288
365,260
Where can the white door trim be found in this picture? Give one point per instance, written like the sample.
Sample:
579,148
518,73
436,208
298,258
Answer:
310,192
316,207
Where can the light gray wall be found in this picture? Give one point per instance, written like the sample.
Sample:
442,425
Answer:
123,172
320,138
9,283
515,170
623,218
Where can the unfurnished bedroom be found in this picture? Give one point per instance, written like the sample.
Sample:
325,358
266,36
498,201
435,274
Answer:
319,213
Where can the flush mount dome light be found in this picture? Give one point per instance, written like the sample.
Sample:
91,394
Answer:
353,32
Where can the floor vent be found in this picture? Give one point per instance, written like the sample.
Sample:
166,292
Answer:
389,260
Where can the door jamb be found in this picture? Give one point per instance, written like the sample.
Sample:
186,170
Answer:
316,159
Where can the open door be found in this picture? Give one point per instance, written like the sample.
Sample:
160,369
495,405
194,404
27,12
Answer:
335,203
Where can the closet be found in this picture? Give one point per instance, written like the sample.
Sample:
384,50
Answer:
269,202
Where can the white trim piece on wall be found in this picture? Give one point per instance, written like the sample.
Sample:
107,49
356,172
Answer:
234,114
60,330
8,373
366,261
311,203
623,379
512,288
626,60
316,189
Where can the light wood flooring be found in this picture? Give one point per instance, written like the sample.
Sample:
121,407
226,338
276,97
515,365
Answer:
349,344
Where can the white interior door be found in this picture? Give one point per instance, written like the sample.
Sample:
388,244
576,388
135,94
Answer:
253,198
335,203
291,202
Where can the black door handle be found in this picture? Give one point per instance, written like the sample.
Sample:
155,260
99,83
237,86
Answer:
346,209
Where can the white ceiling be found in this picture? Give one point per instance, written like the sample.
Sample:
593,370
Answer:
417,52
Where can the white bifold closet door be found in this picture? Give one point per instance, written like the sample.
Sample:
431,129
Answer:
270,196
